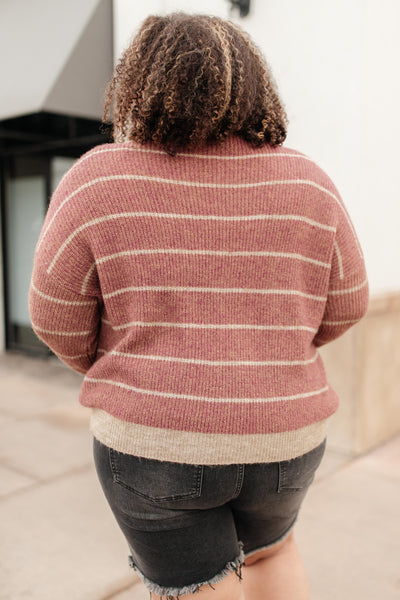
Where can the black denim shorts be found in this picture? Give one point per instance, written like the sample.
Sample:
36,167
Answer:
188,525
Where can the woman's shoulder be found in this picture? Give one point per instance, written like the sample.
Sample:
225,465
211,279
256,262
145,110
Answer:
280,157
309,168
110,154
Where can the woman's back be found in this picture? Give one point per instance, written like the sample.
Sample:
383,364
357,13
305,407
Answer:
214,269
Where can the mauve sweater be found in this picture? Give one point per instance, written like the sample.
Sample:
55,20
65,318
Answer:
193,292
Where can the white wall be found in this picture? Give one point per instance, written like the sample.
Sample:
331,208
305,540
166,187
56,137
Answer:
336,64
128,16
379,210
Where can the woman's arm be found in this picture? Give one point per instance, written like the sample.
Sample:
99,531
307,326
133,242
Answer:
347,300
65,307
67,322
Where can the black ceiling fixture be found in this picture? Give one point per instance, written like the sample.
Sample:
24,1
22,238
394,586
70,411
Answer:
242,5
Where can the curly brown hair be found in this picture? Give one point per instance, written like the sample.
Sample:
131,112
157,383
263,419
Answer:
186,80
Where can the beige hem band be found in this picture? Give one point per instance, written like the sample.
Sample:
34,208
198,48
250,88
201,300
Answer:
204,448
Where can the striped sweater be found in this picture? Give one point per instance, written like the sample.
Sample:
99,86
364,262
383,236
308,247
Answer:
193,292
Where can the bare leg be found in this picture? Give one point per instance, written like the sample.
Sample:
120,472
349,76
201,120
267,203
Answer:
276,573
230,588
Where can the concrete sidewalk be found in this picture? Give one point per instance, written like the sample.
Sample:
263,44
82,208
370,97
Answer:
59,540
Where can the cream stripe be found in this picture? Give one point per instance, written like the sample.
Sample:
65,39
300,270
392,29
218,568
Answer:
228,326
245,254
151,288
226,218
339,323
71,357
87,278
356,288
201,156
205,398
187,184
117,216
64,333
202,184
214,363
129,215
340,260
59,301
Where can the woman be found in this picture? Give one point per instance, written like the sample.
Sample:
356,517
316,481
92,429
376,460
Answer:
191,270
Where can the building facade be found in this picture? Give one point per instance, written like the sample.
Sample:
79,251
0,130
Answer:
49,115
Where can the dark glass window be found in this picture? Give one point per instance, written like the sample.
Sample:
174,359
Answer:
35,152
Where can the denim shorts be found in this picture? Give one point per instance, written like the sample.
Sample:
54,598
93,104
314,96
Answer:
190,525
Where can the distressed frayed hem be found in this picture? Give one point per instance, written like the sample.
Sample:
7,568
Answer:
170,593
268,546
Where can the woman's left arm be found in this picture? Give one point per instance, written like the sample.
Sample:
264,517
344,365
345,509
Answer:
67,322
65,300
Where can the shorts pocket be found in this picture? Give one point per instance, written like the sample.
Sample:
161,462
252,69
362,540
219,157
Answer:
298,474
156,480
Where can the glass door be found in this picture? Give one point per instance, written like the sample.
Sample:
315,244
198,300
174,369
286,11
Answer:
26,191
29,182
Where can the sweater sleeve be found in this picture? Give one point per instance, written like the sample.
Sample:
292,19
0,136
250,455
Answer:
347,299
64,313
65,321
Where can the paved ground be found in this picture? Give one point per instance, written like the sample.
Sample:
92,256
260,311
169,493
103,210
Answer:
58,538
